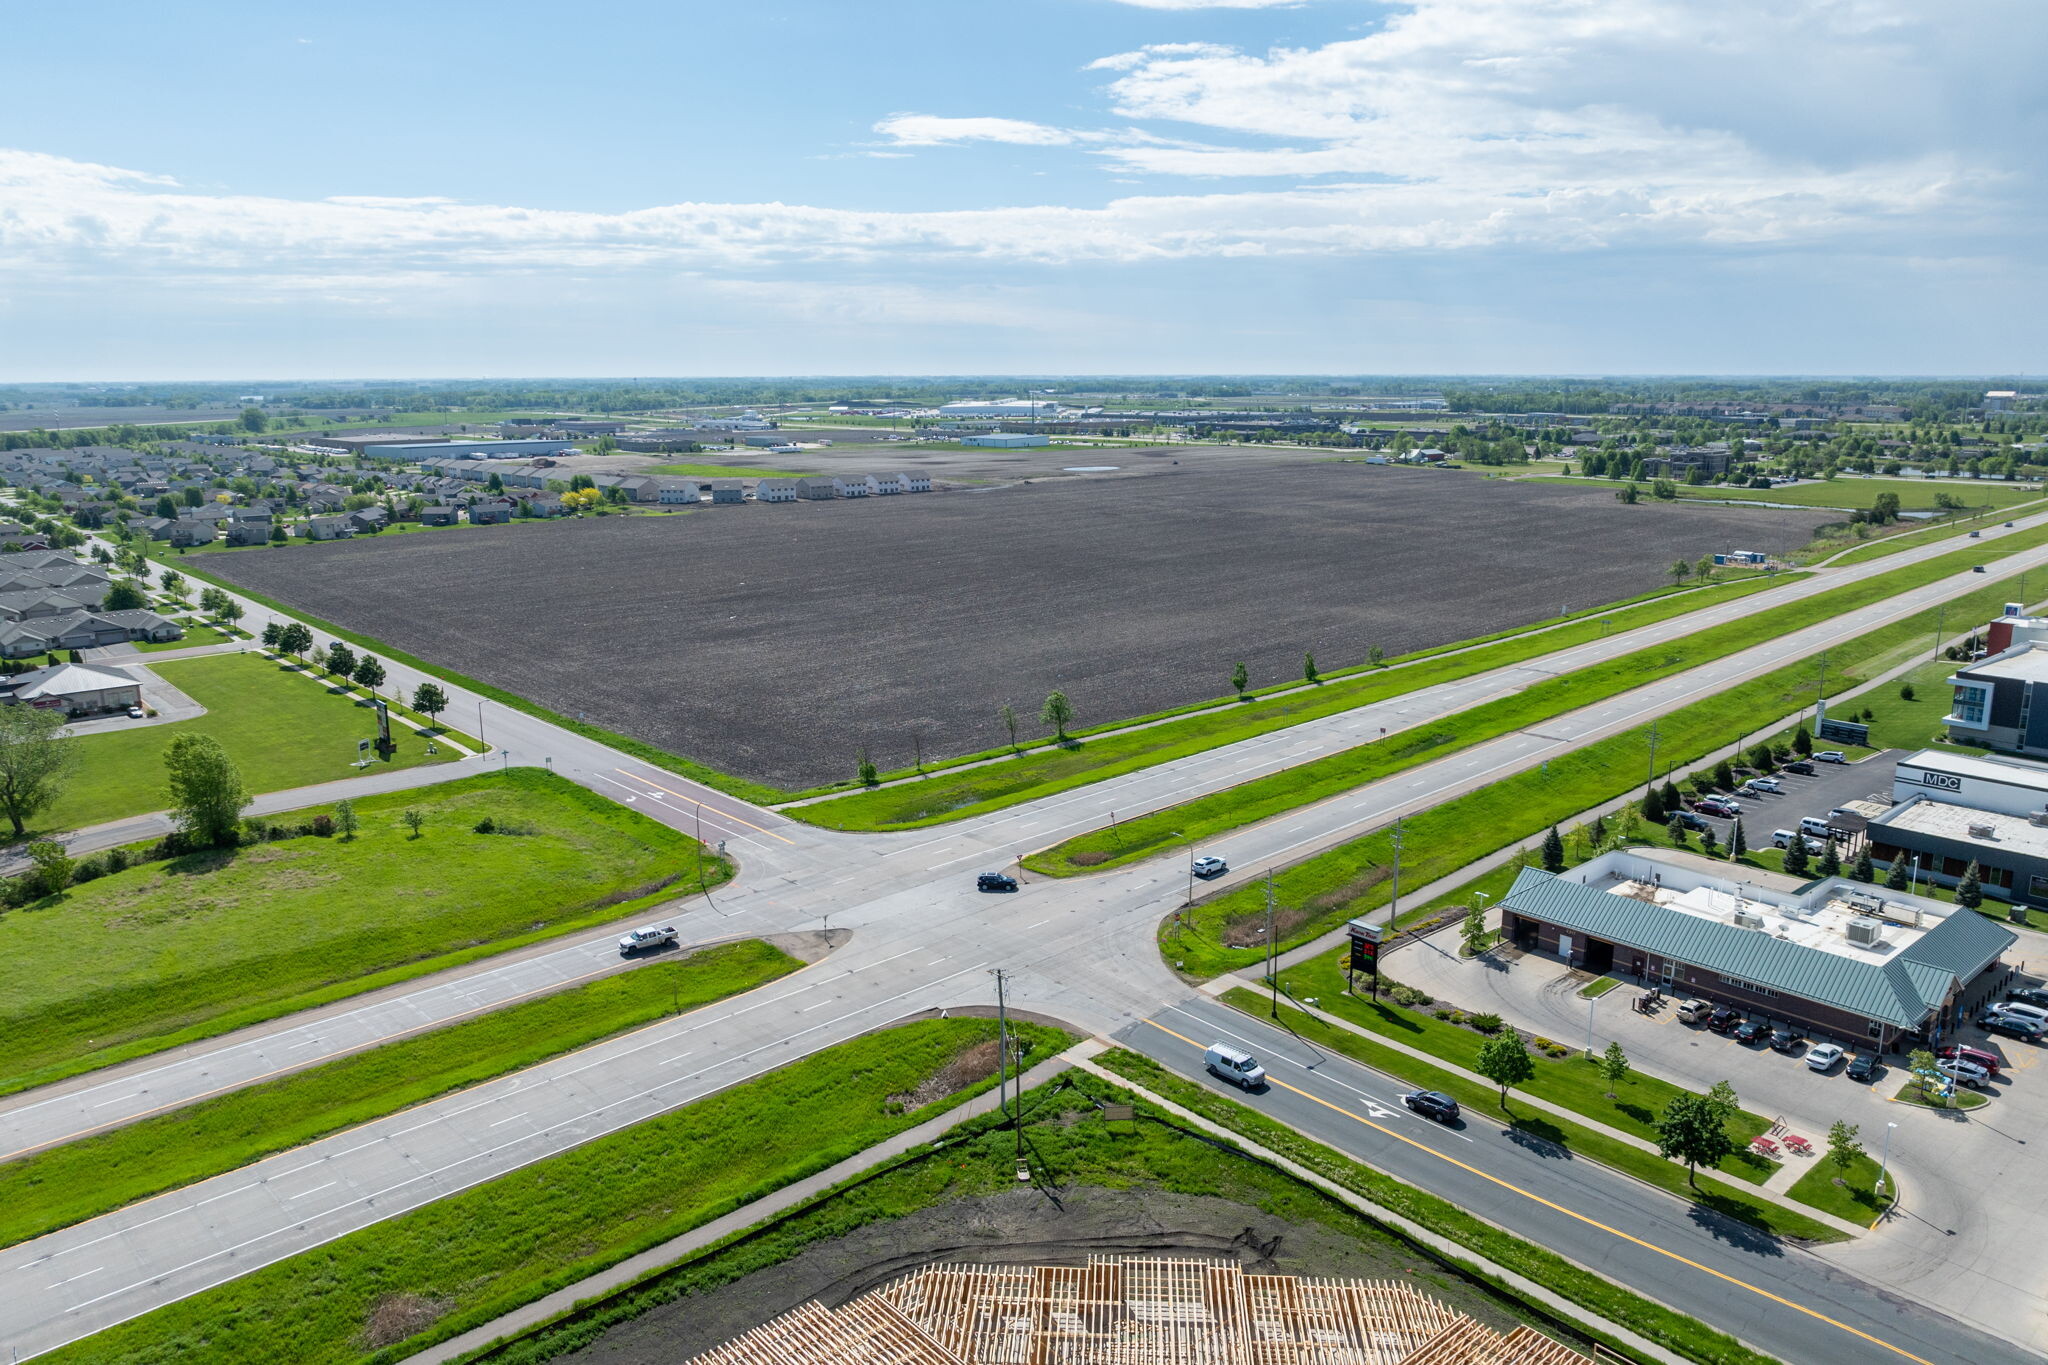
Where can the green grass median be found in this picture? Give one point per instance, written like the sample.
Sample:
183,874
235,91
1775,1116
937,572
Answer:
1847,1192
54,1188
1205,817
1351,879
167,952
1048,769
1683,1336
458,1262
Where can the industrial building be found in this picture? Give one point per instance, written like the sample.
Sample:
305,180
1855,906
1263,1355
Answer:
1007,440
1835,958
1002,407
1133,1310
406,452
2008,785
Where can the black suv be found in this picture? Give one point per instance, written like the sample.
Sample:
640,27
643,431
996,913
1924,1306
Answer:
1724,1019
1864,1066
1755,1031
1800,766
1433,1104
995,881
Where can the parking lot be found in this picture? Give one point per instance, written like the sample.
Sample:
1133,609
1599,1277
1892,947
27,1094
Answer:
1832,785
1958,1238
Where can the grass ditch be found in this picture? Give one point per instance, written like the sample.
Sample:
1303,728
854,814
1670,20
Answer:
1573,1084
1049,768
214,941
1344,882
1684,1336
55,1188
1205,817
391,1289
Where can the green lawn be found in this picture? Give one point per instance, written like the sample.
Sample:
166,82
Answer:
1045,768
83,1179
1681,1335
1347,881
1916,724
282,731
202,944
1892,544
1598,987
1915,495
480,1253
724,471
1855,1199
1205,817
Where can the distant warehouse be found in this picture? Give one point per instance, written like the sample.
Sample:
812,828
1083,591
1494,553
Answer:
1007,440
467,450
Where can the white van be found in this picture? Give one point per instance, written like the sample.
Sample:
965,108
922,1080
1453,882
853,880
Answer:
1234,1065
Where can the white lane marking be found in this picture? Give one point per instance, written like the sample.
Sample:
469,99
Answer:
315,1190
80,1275
118,1098
514,1119
820,1005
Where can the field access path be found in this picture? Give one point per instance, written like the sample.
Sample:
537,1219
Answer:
1080,950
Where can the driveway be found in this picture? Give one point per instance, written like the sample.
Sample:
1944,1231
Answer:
1957,1237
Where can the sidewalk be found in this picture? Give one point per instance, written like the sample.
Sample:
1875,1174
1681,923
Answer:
656,1259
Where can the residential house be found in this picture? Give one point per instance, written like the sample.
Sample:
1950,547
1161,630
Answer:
916,483
251,532
680,492
728,491
367,519
492,513
186,534
442,515
775,490
544,505
816,489
326,528
850,485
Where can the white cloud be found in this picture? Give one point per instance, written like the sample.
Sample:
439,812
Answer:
929,130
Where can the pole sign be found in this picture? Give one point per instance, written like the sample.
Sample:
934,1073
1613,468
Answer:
384,745
1365,947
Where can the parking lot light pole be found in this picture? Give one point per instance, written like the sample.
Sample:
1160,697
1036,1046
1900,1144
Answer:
1885,1165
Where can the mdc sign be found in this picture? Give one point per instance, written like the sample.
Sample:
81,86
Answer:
1946,782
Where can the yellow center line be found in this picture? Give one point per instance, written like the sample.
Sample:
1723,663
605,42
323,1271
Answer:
1580,1217
721,810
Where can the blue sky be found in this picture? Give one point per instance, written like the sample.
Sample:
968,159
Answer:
1059,186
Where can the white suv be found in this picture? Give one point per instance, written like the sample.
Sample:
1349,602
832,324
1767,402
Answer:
1210,867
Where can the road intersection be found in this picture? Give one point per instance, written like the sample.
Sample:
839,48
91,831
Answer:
1080,950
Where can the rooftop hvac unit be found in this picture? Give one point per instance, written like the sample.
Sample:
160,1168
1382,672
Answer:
1980,831
1748,919
2037,817
1865,933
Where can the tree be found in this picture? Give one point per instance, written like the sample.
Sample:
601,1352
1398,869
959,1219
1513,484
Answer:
317,658
1240,678
193,495
1613,1067
341,660
1724,776
429,700
864,768
123,596
277,535
346,820
1553,851
252,419
1884,508
1673,801
1970,890
34,762
1057,712
1843,1148
369,672
53,865
1629,494
1830,861
1007,714
1863,871
1680,570
1704,569
1308,668
1474,930
1905,691
271,630
1504,1060
1707,841
1375,656
166,509
231,611
1676,830
414,821
206,791
173,582
1653,807
1895,877
1921,1063
1803,742
1795,856
1695,1131
294,639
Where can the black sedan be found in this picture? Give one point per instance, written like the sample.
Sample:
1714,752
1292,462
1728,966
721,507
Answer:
1433,1104
1724,1020
1864,1066
995,881
1752,1031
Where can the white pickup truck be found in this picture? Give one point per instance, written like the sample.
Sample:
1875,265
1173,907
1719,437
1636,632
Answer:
648,936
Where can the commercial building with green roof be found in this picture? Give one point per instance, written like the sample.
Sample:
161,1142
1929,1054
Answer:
1834,957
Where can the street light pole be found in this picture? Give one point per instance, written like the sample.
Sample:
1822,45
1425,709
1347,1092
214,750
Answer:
1886,1163
1272,979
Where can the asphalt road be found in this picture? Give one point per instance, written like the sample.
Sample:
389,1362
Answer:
1081,950
1779,1299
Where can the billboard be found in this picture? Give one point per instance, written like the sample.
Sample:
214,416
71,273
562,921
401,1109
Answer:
1844,732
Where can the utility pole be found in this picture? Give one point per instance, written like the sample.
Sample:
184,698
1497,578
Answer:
1002,1045
1394,901
1653,759
1940,613
1272,980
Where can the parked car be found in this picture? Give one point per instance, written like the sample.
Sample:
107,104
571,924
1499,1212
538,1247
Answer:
1763,784
1864,1066
1210,867
1717,805
995,881
1964,1073
135,713
645,937
1840,813
1433,1104
1823,1056
1800,766
1725,1019
1695,1011
1782,838
1975,1055
2028,995
1690,820
1831,756
1752,1031
2017,1010
1234,1065
1784,1040
2011,1025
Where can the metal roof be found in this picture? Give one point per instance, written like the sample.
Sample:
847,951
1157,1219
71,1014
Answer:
1902,990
